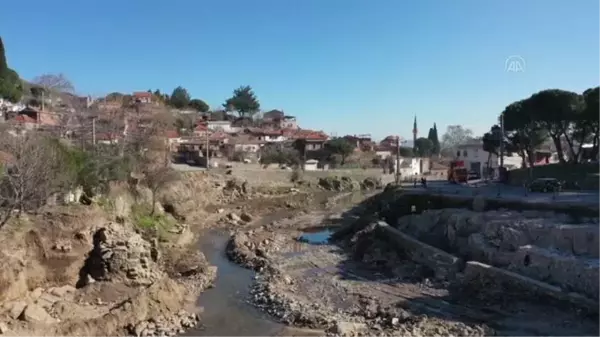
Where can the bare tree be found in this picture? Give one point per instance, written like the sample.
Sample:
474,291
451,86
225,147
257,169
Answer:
147,143
54,83
31,172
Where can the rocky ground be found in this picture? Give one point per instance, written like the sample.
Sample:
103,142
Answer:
92,270
362,286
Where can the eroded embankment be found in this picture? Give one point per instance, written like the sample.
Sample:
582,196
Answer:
429,273
85,275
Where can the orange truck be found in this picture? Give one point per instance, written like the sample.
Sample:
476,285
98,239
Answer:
457,173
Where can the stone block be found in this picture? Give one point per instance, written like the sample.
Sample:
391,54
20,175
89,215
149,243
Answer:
444,264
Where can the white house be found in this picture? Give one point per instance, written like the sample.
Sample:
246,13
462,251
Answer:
410,167
476,159
224,126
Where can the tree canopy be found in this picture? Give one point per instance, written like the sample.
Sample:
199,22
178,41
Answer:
566,118
454,136
423,147
433,137
11,86
199,105
180,98
244,101
341,147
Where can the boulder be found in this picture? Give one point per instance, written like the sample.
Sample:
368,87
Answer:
246,217
34,313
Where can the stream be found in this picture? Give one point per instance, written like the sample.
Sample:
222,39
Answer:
226,312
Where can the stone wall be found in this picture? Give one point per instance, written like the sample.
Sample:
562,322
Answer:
540,244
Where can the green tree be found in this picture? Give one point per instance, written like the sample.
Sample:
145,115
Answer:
492,140
243,101
587,126
555,110
423,147
406,151
274,154
523,132
341,147
180,98
3,62
11,87
199,105
433,137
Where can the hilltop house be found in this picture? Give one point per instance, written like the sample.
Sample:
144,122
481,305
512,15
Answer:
142,97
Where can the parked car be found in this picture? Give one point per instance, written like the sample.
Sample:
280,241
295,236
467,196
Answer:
545,185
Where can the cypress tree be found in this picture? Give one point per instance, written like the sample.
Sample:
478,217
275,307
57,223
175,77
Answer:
433,137
3,64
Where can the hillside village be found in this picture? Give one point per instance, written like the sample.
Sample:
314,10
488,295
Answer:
250,137
229,137
155,214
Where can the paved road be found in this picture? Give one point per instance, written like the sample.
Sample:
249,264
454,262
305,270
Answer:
500,191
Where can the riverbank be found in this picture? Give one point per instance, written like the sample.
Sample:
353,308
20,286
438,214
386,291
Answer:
363,284
109,268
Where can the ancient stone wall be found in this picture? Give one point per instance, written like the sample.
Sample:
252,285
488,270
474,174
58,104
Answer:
542,245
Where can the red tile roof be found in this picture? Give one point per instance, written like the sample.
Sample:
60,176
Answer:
310,135
172,134
24,119
201,127
218,136
141,94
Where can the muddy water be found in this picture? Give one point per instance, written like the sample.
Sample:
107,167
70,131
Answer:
226,312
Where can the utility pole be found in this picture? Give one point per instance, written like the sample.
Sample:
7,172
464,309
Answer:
397,170
304,155
94,131
502,140
207,148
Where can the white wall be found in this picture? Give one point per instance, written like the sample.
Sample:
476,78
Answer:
224,126
414,167
476,157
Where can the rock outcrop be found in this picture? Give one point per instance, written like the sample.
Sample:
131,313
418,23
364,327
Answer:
122,255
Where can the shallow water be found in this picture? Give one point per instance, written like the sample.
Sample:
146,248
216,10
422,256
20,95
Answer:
226,312
316,236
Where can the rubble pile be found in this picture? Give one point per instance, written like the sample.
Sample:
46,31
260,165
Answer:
251,249
165,325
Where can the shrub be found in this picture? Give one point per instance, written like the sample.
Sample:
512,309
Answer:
296,175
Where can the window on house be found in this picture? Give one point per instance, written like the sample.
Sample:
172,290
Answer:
465,153
458,153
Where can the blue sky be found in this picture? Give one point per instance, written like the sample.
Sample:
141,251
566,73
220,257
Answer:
343,66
